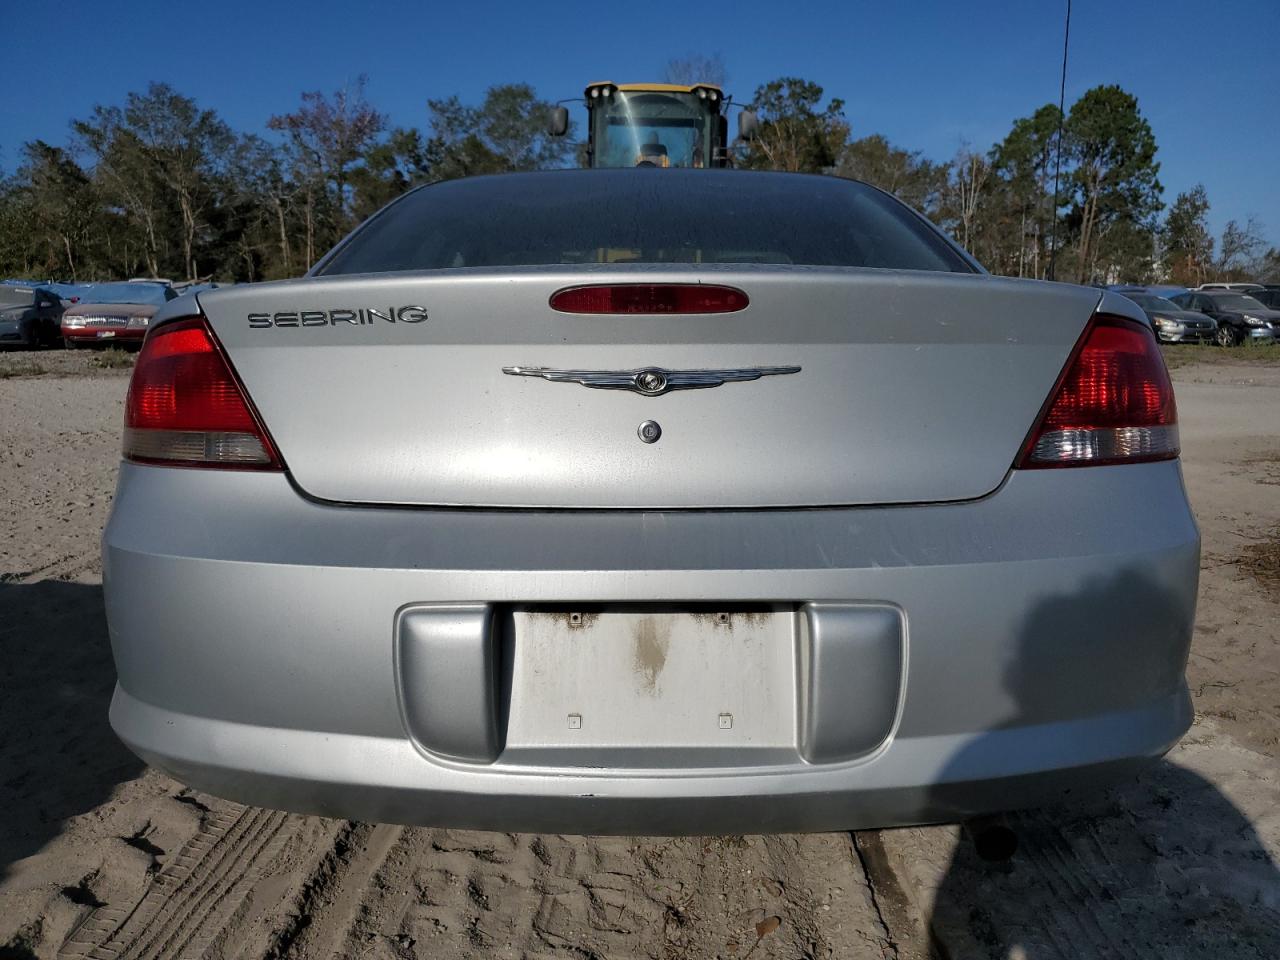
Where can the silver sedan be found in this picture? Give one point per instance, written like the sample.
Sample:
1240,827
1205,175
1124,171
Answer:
650,501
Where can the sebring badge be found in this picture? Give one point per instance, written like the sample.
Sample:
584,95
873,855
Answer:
650,381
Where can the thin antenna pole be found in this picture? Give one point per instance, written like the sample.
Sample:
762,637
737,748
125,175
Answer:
1057,163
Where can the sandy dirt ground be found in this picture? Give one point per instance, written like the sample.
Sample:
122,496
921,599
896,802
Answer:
101,857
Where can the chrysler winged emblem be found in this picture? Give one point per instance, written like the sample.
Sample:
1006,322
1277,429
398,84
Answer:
650,381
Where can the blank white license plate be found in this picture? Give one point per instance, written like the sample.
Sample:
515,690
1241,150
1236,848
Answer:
632,679
106,334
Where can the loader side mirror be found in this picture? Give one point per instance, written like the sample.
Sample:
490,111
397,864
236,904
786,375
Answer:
558,121
748,125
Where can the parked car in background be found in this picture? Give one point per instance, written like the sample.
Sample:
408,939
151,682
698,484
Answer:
28,316
1165,290
1240,316
1172,323
69,292
1239,287
114,313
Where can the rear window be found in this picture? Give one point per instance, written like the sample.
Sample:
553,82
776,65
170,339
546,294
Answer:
16,296
644,216
1148,302
138,293
1235,301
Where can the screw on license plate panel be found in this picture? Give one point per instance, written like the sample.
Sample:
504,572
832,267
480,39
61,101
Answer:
575,619
726,721
722,618
575,721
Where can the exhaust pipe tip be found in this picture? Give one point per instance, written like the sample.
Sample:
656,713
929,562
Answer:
993,840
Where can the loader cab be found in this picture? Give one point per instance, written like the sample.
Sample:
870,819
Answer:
655,125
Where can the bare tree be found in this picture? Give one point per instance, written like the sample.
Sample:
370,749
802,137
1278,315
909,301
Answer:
330,134
696,68
967,185
1241,250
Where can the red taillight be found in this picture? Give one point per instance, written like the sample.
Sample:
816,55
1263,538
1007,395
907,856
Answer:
187,408
649,298
1112,404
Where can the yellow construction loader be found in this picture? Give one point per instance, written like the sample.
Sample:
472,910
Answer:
656,125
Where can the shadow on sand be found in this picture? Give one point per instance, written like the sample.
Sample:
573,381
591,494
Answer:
1160,865
58,755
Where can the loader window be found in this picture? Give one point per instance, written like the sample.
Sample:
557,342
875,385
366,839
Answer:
662,129
643,215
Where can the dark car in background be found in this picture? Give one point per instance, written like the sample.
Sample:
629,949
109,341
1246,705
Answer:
1237,287
69,292
28,316
1172,323
114,313
1241,317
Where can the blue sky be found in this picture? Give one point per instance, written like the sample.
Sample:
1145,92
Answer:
928,75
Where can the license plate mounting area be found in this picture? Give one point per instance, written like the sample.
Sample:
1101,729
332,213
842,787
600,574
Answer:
707,686
650,687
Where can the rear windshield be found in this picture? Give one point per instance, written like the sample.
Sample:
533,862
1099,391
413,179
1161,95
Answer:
1148,302
644,216
16,296
139,293
1235,301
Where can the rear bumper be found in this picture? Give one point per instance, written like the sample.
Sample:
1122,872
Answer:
93,335
934,779
1046,629
1180,335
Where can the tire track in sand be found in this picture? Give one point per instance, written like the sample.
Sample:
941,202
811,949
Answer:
187,903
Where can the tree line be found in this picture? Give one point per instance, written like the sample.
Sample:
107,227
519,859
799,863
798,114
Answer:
162,186
1073,197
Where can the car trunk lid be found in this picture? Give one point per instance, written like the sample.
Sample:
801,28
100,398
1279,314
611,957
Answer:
912,387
